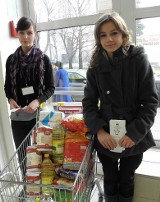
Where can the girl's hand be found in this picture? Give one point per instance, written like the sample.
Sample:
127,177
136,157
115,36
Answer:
32,107
126,142
13,104
106,140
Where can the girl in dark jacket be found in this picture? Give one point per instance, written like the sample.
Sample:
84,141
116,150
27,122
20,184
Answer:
119,105
28,82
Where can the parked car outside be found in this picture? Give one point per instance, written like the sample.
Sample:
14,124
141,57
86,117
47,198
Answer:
77,79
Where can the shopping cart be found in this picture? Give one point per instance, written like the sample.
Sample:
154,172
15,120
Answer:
13,183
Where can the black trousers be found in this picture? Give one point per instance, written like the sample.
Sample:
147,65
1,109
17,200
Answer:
119,174
20,130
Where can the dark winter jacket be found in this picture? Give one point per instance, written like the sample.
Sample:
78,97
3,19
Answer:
126,90
48,84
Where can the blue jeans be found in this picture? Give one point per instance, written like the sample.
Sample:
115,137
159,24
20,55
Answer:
119,174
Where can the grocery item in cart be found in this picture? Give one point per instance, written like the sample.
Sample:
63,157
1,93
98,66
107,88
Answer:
70,107
34,159
68,174
65,195
80,190
58,146
75,123
47,173
58,132
33,177
58,139
58,158
74,150
50,117
44,138
63,182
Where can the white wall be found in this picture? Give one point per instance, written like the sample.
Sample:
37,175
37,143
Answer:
9,10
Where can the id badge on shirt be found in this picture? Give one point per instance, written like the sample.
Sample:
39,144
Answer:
27,90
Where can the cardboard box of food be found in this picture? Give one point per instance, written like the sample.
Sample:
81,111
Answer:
70,107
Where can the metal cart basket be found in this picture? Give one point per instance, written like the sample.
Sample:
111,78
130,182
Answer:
13,183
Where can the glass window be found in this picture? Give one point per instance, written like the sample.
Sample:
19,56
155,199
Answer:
49,10
73,46
148,35
147,3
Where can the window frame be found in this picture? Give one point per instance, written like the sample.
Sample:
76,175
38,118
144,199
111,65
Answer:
120,6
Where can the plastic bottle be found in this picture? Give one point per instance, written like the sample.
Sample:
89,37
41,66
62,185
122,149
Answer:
47,173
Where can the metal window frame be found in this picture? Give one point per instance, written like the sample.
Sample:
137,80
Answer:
127,9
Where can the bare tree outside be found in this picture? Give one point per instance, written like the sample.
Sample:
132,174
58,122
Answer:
75,41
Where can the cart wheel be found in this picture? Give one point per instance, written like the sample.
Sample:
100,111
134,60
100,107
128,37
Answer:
100,199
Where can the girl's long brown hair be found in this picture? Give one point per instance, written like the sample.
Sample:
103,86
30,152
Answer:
119,24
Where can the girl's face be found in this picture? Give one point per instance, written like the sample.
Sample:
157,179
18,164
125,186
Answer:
110,38
26,38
